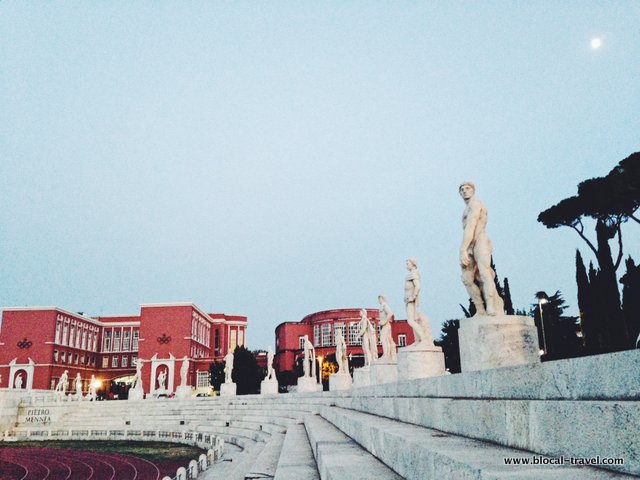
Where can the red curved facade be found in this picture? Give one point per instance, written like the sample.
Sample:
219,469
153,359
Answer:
321,328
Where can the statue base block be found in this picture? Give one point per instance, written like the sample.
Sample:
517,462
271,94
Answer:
339,381
269,387
384,371
228,389
361,377
183,391
308,384
417,361
136,394
497,341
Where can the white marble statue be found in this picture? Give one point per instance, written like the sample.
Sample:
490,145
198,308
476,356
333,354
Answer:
137,379
184,371
367,331
162,380
385,317
63,383
93,389
418,321
78,385
18,381
309,358
228,367
341,354
475,255
271,373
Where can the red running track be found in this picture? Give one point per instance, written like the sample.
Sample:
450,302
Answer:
58,464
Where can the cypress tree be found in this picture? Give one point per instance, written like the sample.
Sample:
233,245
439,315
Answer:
508,304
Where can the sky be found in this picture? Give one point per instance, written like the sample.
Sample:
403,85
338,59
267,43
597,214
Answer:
275,159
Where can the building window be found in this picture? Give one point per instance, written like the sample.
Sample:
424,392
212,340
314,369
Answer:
126,340
78,337
354,339
95,341
105,362
134,359
63,357
379,329
106,347
402,340
301,342
116,340
216,342
240,337
316,335
202,379
326,334
125,361
65,330
55,355
69,357
338,328
58,330
81,359
84,338
72,332
136,337
75,358
114,361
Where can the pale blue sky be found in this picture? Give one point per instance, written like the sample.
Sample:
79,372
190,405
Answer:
274,159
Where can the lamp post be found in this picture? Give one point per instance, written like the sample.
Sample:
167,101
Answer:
542,299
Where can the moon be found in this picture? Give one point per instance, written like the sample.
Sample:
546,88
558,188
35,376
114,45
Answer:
596,43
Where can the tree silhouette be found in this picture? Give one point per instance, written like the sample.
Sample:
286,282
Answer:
610,201
450,343
631,298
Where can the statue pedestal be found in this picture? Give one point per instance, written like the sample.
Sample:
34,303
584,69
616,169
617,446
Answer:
183,391
420,361
269,387
228,389
361,377
136,394
339,381
497,341
384,371
308,384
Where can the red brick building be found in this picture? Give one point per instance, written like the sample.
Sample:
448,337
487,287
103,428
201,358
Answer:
40,343
321,328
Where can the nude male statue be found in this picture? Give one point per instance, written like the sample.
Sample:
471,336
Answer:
341,354
184,371
271,373
369,343
475,255
228,367
385,316
417,321
309,358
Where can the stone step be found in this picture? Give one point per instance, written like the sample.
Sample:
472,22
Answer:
265,465
339,457
296,460
590,427
419,453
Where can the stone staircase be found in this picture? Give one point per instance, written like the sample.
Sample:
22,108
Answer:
455,426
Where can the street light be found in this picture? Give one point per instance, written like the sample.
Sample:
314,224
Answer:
542,299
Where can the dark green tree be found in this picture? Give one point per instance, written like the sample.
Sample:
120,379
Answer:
246,374
508,303
609,201
216,372
450,344
631,299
